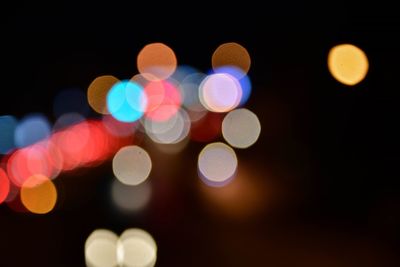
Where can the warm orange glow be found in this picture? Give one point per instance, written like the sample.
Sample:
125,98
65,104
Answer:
348,64
38,194
156,61
231,54
97,92
243,198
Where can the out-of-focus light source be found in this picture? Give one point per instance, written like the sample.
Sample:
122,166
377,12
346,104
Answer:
126,101
243,79
38,194
348,64
101,249
163,100
67,119
118,128
8,125
217,164
241,128
137,247
4,185
97,92
231,54
156,61
171,131
42,158
131,165
31,129
130,199
220,92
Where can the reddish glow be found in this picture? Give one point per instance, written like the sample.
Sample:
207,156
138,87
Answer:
71,143
85,144
29,161
15,202
4,186
208,128
118,128
163,100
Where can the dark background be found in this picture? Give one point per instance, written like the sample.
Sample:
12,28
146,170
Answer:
327,160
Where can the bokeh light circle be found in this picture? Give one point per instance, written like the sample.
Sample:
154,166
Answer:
38,194
32,129
131,165
4,185
348,64
156,61
220,92
241,128
126,101
163,100
217,164
101,249
137,248
231,54
171,131
97,92
243,79
8,124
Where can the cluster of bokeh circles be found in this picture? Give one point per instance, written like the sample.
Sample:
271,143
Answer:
174,104
168,103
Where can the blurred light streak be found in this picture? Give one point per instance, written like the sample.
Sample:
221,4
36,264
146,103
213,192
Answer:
84,144
348,64
8,124
4,186
41,158
136,247
220,92
38,194
126,101
119,128
158,60
97,92
131,165
101,249
241,128
130,199
67,119
231,54
32,128
217,164
163,100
